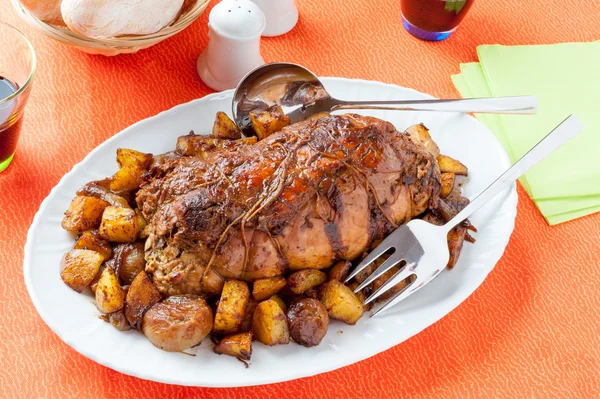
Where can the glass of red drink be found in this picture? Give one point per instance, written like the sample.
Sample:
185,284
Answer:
433,19
17,67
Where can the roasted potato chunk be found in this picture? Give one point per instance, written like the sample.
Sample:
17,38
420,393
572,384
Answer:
237,345
79,267
127,178
119,224
247,322
280,302
110,297
302,280
232,307
451,165
129,261
308,321
141,296
91,240
84,213
269,324
341,303
420,133
265,123
360,295
225,128
339,271
94,282
179,322
267,287
127,157
195,145
447,184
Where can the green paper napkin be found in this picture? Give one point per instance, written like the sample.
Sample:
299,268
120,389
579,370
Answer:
566,185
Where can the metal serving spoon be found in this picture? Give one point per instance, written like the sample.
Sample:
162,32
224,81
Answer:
301,94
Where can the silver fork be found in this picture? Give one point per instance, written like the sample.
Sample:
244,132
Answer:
423,246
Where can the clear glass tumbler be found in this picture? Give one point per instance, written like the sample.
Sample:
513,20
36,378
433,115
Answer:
433,19
17,67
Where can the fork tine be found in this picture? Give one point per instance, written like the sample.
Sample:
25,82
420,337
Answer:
398,297
390,262
402,274
410,289
376,253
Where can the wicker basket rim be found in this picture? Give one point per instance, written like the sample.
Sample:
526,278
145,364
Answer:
66,35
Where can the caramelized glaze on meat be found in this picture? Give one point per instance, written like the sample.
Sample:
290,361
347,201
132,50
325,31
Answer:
316,192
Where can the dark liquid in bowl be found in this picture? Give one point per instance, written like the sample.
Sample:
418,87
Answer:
10,124
435,15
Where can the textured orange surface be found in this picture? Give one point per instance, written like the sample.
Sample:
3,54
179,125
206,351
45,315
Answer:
531,330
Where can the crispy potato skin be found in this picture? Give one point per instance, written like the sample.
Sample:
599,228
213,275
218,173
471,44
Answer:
232,307
451,165
119,224
141,296
269,324
79,267
339,271
267,287
308,321
129,261
302,280
341,303
179,322
110,297
225,128
447,184
237,345
84,213
93,241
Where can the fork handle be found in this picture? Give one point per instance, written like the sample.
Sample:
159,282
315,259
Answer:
564,132
493,105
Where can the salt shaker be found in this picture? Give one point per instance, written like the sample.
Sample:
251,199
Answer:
233,50
281,15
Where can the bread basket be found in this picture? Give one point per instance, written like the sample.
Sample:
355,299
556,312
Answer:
114,45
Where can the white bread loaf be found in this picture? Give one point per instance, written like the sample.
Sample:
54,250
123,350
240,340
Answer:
45,10
109,18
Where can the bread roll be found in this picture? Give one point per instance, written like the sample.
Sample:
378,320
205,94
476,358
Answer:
45,10
109,18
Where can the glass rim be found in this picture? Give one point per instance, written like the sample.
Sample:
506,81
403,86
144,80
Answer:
33,65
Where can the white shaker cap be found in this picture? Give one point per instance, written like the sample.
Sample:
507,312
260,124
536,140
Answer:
233,50
281,15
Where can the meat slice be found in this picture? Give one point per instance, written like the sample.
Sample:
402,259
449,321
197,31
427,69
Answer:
316,192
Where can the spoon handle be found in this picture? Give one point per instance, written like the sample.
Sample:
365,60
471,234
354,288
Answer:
497,105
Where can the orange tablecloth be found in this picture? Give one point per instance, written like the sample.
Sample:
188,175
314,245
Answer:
531,330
